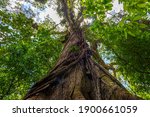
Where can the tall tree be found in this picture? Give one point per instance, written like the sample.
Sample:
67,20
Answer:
76,74
24,58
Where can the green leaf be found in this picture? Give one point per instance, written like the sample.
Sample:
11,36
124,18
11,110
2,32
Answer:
131,33
125,33
143,26
141,5
109,6
137,18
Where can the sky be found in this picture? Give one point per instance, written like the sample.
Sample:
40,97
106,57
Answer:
40,14
48,11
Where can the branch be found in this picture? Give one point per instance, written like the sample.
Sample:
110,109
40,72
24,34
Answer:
65,11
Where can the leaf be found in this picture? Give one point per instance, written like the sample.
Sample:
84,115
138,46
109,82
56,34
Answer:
109,6
125,33
141,5
143,26
137,18
130,33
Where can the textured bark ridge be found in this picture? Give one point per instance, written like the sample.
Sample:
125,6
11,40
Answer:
77,76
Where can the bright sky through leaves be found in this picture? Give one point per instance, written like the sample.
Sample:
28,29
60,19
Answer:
40,15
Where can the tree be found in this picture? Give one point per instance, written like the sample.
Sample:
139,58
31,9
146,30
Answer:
76,75
118,43
24,56
126,36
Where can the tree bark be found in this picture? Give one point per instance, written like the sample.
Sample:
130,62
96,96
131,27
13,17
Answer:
77,76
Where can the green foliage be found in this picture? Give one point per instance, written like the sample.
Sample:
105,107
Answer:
74,48
96,9
27,53
28,50
132,54
3,3
134,6
126,40
41,1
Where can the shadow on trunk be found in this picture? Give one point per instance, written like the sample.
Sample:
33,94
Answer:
77,76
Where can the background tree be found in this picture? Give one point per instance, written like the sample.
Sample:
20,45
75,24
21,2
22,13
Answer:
126,38
27,50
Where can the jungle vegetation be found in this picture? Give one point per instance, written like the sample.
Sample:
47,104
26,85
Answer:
93,53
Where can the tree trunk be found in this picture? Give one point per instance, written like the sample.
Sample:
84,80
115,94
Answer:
77,76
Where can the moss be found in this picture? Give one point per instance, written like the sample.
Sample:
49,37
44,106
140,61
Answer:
74,48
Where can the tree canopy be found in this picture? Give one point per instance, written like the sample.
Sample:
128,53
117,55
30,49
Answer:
29,49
